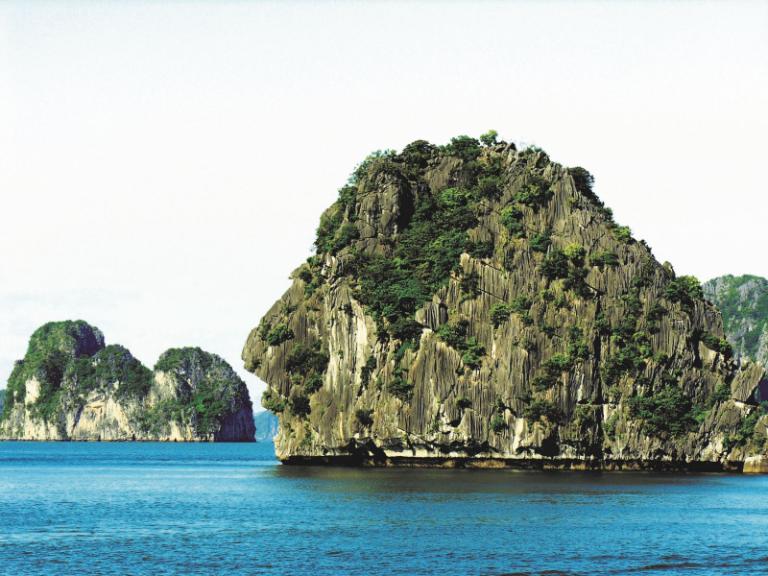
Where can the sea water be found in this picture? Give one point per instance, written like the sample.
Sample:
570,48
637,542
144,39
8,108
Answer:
145,508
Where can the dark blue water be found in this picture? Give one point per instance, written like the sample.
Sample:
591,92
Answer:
231,509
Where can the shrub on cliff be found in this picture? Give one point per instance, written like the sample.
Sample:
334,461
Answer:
540,242
279,334
623,234
462,403
686,290
304,359
575,253
272,401
454,333
498,424
604,259
511,219
717,344
299,406
418,153
583,181
534,193
364,417
667,411
500,313
542,410
399,386
489,138
465,147
473,354
555,265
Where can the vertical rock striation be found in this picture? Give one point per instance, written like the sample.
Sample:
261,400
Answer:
475,304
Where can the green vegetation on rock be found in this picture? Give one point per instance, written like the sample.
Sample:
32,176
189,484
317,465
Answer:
456,336
53,350
668,411
686,290
743,303
446,276
210,389
68,368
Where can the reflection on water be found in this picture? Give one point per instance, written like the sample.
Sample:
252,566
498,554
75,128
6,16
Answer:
231,509
465,481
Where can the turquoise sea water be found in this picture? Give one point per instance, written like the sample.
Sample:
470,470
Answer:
72,508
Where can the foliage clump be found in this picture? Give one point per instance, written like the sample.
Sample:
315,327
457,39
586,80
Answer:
686,290
668,411
500,313
720,345
367,370
511,218
307,365
551,370
490,138
462,403
555,265
604,259
584,182
464,147
364,417
400,386
277,335
540,241
623,234
498,424
538,410
455,334
535,192
299,406
272,401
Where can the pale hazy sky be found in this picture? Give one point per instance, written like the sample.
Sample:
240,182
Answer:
163,165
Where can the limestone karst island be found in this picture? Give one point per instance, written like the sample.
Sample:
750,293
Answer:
474,304
70,386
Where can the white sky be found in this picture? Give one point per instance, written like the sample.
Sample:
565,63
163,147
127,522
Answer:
163,166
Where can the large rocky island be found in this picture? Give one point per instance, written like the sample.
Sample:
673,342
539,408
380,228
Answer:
71,386
477,305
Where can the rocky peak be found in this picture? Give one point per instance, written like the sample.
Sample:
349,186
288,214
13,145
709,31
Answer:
477,302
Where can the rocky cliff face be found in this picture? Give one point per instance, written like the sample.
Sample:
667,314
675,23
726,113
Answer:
743,303
473,304
70,386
